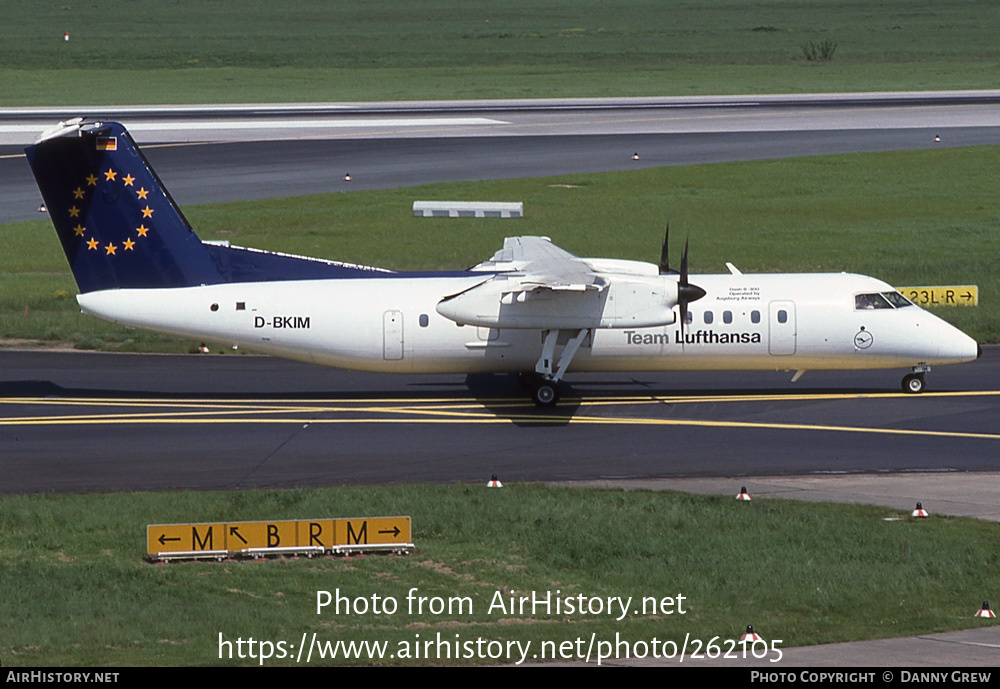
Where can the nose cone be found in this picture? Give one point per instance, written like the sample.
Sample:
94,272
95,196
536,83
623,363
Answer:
954,346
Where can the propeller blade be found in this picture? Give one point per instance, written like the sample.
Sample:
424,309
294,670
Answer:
686,292
684,263
665,254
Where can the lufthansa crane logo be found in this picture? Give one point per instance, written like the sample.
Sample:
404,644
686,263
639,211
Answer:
863,340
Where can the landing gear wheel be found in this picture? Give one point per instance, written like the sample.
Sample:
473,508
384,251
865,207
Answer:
546,394
914,383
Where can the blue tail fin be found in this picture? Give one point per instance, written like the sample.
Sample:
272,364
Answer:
117,223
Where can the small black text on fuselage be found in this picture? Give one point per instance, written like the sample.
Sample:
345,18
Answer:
282,322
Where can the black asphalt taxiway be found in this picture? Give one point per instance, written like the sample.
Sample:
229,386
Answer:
79,422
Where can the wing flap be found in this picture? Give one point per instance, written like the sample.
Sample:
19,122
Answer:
535,263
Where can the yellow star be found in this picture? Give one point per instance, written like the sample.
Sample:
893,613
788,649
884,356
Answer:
110,175
110,248
92,181
147,212
78,193
92,244
79,230
142,193
129,244
128,179
74,212
142,230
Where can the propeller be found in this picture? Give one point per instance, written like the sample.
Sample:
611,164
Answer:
686,292
665,268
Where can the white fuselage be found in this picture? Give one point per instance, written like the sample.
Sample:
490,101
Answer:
390,324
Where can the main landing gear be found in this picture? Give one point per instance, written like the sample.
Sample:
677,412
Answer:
546,394
545,384
914,383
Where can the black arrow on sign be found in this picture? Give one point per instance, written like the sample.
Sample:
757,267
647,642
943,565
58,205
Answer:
967,296
163,539
233,531
394,532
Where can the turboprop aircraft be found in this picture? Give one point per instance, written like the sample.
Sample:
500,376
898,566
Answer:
532,309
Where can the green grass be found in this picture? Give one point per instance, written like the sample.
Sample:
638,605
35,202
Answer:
910,218
78,591
185,51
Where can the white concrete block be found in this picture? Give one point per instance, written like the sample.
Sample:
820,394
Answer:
467,209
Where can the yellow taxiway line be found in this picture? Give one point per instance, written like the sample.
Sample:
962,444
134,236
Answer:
447,411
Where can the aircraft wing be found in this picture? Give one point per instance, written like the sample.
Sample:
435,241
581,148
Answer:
533,284
535,263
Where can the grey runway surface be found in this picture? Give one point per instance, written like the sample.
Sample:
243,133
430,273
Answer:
240,171
218,156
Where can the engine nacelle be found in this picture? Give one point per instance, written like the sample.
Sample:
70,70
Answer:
634,301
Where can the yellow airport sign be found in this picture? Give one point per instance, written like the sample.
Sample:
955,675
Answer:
317,532
311,536
942,295
185,538
245,535
376,530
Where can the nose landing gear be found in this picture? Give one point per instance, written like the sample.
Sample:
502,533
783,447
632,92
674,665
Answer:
914,383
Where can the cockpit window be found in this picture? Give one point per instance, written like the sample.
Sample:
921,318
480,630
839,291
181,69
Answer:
884,300
897,299
871,301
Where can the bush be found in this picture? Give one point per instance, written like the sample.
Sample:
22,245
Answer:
815,53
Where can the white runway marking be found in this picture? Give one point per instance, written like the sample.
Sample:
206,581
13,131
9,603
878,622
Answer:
288,124
320,124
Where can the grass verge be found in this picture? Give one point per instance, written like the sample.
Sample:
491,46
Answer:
77,590
126,51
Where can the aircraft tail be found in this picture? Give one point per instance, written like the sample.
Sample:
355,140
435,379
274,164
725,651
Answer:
117,224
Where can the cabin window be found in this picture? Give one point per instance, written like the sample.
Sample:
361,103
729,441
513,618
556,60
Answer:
688,318
727,317
241,306
755,316
424,320
897,299
871,301
782,316
709,318
214,307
